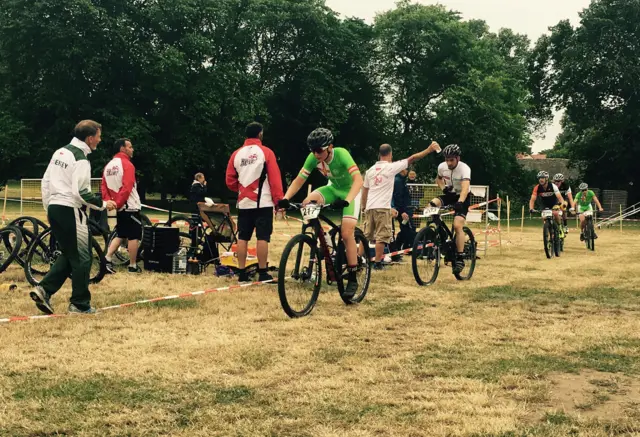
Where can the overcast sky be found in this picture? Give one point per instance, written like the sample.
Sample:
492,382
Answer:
530,17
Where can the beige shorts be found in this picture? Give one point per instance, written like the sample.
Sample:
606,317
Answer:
377,225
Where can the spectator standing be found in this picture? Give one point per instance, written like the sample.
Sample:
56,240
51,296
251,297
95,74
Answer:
66,188
119,185
377,195
253,173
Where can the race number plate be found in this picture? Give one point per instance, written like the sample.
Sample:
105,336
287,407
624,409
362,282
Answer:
310,212
588,213
547,213
431,211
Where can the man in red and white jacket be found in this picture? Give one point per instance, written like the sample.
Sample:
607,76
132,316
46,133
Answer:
254,174
119,185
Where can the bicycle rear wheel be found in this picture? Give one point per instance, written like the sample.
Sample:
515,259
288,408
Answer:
35,224
44,252
363,273
469,256
10,244
299,276
425,256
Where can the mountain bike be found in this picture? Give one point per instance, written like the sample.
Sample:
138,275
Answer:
551,234
300,269
435,242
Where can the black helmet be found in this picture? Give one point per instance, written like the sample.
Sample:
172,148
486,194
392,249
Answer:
319,138
451,150
559,177
543,175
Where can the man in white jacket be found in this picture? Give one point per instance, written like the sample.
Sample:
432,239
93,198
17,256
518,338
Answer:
66,188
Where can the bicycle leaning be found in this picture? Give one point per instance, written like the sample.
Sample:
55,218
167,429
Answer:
300,269
436,242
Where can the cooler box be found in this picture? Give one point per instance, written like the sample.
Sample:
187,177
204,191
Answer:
160,243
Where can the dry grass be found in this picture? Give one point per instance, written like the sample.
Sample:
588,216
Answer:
497,356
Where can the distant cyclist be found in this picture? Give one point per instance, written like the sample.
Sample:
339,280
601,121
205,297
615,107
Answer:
550,198
337,165
454,179
584,201
567,194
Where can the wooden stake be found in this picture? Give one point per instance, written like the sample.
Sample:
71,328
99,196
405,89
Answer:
500,223
522,221
4,208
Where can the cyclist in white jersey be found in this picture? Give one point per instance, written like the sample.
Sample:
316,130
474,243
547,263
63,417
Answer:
454,179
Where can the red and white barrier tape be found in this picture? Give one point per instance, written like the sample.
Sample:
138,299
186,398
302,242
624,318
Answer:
139,302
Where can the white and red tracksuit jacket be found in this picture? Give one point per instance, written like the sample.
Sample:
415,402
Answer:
119,183
254,174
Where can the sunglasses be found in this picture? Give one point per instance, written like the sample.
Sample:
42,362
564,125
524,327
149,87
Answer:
319,150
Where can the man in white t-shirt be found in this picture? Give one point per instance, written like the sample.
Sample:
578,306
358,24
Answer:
454,179
377,193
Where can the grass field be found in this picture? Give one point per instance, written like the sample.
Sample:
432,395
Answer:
529,347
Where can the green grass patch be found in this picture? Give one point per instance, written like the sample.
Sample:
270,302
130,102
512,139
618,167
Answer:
331,355
396,309
67,400
175,304
607,296
233,395
557,418
619,355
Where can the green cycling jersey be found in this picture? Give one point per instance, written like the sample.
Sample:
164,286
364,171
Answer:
339,169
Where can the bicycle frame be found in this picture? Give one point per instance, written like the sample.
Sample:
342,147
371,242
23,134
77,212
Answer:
320,235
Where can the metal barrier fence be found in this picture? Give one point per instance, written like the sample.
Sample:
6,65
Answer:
31,196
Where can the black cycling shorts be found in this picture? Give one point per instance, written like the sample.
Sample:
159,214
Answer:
451,199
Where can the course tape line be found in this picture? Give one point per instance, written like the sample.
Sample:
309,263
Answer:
139,302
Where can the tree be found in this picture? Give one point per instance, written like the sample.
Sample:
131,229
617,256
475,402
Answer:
457,82
592,72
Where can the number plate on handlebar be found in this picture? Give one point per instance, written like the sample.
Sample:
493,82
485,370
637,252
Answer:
547,213
431,211
588,213
310,212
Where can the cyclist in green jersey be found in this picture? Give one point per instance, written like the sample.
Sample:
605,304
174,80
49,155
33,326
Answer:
583,204
345,182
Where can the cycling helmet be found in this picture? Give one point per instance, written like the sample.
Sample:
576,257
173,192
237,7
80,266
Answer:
452,150
319,139
583,186
543,174
559,177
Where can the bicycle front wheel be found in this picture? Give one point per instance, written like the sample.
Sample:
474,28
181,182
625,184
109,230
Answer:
44,252
10,244
299,276
591,236
425,256
547,239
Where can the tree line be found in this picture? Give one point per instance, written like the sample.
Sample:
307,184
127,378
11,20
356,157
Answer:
182,78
